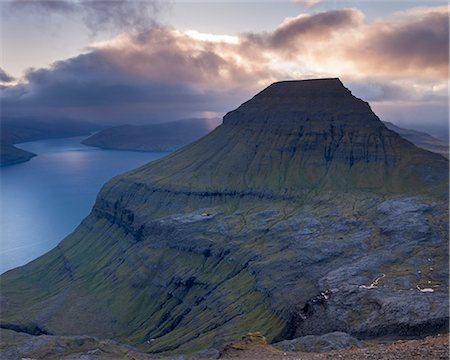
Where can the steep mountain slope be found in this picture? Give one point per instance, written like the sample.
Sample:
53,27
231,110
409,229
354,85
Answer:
421,139
301,214
152,137
295,137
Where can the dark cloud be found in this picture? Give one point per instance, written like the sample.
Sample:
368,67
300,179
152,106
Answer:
98,15
4,77
158,75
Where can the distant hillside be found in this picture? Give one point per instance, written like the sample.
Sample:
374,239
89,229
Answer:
9,155
421,139
152,137
14,131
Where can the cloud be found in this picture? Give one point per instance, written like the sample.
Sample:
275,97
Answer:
159,74
164,54
98,15
299,31
417,47
414,43
4,77
307,3
162,74
411,91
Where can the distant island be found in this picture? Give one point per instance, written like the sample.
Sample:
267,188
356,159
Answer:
420,139
14,131
173,135
167,136
9,155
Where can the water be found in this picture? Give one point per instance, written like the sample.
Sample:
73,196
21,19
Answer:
44,199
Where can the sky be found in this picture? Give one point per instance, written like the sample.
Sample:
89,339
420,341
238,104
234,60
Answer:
115,62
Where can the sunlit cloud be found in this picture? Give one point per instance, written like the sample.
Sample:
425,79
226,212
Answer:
212,37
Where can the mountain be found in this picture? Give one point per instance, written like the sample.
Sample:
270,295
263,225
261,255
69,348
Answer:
152,137
421,139
302,214
15,131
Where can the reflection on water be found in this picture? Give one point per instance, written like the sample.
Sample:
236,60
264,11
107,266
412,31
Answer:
44,199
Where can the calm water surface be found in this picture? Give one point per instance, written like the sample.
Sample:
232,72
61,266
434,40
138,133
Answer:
44,199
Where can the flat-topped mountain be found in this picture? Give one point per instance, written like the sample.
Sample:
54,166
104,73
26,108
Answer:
295,137
302,214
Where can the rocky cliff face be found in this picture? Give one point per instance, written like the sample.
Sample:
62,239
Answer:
301,215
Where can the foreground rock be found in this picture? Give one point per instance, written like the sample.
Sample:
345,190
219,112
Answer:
20,346
430,348
319,343
301,215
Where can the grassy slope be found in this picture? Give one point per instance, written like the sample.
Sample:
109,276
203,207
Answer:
138,291
240,164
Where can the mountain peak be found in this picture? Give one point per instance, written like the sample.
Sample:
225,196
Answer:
293,137
306,88
289,103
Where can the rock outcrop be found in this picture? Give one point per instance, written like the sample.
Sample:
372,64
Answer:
301,215
319,343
